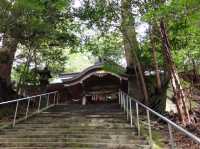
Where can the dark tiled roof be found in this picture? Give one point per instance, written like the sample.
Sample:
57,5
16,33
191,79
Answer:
71,78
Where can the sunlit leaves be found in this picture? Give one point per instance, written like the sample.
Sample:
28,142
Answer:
183,20
108,46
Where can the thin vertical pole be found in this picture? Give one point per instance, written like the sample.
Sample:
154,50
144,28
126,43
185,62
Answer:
39,104
47,100
124,103
131,116
171,136
121,100
27,108
15,115
149,126
119,97
54,98
127,106
137,118
57,95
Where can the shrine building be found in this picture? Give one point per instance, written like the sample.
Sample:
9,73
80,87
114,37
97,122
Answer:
96,84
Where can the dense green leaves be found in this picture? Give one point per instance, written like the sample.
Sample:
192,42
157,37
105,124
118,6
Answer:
48,27
106,47
182,18
43,28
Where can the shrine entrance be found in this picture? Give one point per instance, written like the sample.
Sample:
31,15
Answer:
93,86
101,87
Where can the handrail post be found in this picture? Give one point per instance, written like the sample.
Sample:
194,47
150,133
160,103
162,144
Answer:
39,104
15,115
131,116
54,98
171,136
47,100
122,100
137,118
119,97
57,94
124,103
127,106
149,126
27,108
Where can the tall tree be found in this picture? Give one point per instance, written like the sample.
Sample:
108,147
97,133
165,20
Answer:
131,46
23,21
179,94
175,41
111,16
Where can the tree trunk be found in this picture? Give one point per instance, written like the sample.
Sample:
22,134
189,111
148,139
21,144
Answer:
130,47
195,74
175,80
25,70
158,81
7,54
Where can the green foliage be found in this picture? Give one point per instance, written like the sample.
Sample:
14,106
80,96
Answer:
54,58
33,61
182,19
106,47
101,13
36,22
77,62
28,76
44,28
49,27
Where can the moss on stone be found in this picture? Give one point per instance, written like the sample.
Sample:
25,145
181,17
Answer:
158,141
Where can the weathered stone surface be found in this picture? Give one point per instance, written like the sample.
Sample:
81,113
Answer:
102,126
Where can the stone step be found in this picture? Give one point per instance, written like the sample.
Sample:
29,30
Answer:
68,125
64,132
73,128
110,139
85,111
92,115
69,114
77,119
93,107
75,144
82,135
102,126
43,148
89,116
66,129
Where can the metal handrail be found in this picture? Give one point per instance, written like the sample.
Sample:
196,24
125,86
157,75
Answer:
170,122
17,101
122,101
25,98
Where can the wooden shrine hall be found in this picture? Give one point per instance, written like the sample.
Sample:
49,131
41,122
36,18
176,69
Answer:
93,85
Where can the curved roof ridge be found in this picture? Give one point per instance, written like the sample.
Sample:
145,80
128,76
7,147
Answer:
90,70
85,71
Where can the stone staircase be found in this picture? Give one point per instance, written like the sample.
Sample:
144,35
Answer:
97,126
